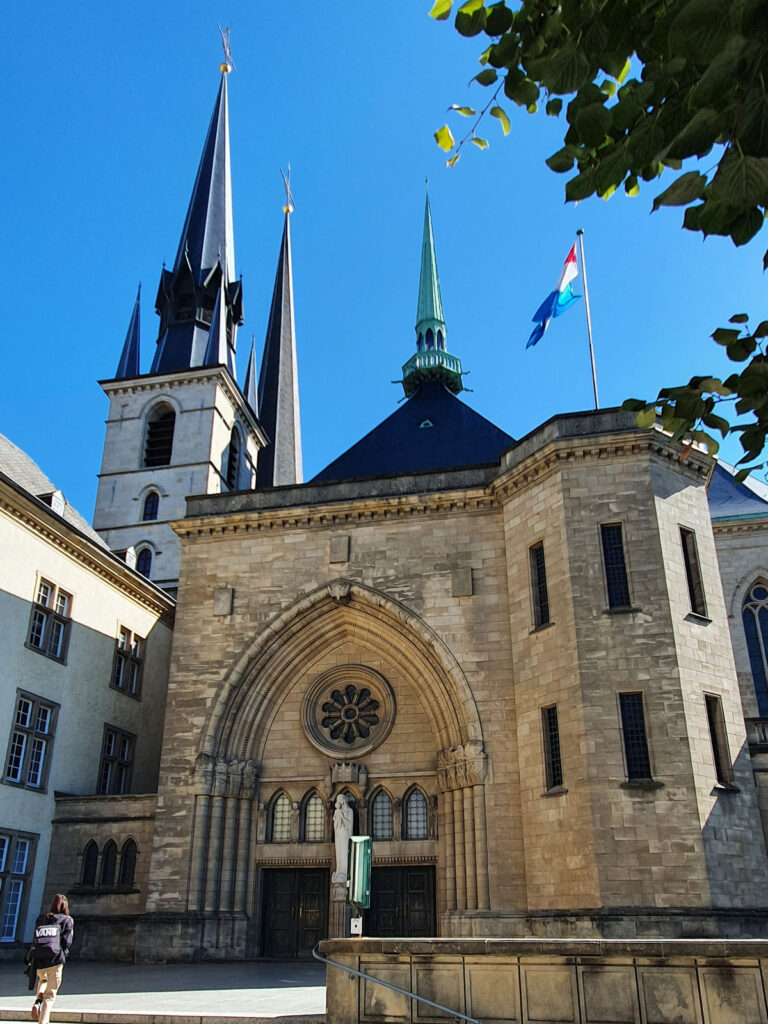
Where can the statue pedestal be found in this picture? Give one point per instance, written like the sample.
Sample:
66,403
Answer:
338,925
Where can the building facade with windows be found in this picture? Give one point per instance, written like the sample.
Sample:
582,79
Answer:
533,671
85,645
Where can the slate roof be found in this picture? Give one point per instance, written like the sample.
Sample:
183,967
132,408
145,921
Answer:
731,500
26,474
432,430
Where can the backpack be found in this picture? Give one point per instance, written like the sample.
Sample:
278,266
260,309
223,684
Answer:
47,942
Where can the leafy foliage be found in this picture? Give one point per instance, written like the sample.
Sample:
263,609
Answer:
646,85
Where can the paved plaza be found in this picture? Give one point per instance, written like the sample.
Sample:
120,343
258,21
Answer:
96,992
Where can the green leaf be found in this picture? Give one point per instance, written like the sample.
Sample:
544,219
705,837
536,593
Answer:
765,260
592,124
562,160
470,6
554,106
624,72
501,114
717,423
564,70
741,180
441,10
480,143
464,111
738,318
710,443
646,418
746,226
498,20
486,77
580,187
521,90
443,138
631,186
453,161
608,87
698,135
682,191
470,18
634,404
725,335
740,349
761,331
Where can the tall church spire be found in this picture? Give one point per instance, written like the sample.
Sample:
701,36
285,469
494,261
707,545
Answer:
130,356
278,393
432,360
205,259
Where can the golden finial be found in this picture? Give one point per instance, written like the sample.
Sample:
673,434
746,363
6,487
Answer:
290,205
227,64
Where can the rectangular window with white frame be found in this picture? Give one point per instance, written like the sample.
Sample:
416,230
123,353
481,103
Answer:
17,858
30,747
719,739
116,765
128,662
50,621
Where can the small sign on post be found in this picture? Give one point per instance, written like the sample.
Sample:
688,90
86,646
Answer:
356,926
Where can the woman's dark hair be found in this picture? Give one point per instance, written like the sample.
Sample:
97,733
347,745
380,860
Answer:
60,904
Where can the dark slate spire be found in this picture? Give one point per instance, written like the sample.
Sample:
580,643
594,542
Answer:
432,360
130,356
205,260
250,389
278,394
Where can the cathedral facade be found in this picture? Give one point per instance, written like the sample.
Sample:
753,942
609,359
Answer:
513,658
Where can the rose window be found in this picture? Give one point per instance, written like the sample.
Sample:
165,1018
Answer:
348,710
350,713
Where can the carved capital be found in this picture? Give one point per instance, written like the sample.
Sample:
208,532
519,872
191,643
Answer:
220,777
249,779
462,766
202,774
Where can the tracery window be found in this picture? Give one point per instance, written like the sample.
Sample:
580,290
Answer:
381,816
314,820
280,831
108,864
754,615
415,819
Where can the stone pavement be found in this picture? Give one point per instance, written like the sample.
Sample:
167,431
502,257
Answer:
209,993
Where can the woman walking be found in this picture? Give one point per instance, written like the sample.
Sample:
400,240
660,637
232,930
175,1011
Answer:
53,938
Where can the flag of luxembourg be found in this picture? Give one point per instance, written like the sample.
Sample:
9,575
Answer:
559,300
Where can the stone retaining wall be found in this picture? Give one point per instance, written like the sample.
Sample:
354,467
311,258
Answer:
525,981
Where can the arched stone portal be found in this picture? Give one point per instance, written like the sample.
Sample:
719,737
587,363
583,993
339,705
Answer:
360,644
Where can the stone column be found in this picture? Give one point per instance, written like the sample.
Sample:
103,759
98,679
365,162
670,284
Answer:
203,780
215,837
458,843
481,849
447,853
229,844
243,867
469,847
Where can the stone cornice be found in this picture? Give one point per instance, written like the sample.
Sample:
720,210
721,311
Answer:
169,381
356,512
757,525
36,517
568,452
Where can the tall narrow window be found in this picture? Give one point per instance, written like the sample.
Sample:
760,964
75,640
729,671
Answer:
314,820
381,816
50,622
415,816
144,562
151,506
693,571
31,742
108,864
719,739
90,863
233,461
754,617
553,765
616,582
16,865
116,761
539,586
280,831
127,864
635,740
158,445
127,664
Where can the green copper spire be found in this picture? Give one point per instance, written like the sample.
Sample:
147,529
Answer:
432,361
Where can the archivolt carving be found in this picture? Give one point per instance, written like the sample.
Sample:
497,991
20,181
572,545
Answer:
459,767
221,777
297,637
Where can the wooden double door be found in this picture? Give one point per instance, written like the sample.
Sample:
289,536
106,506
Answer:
402,903
294,911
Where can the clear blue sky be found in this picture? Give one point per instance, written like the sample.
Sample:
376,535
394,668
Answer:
105,111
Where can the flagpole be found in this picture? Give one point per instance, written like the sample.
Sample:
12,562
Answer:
580,233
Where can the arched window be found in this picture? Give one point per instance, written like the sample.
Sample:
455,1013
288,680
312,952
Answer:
127,864
314,820
90,860
381,816
430,339
754,615
420,343
280,820
108,864
440,341
144,562
415,818
158,444
233,461
151,505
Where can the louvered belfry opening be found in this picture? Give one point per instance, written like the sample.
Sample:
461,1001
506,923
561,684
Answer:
159,443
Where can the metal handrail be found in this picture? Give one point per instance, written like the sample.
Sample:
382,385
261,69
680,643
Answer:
411,995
